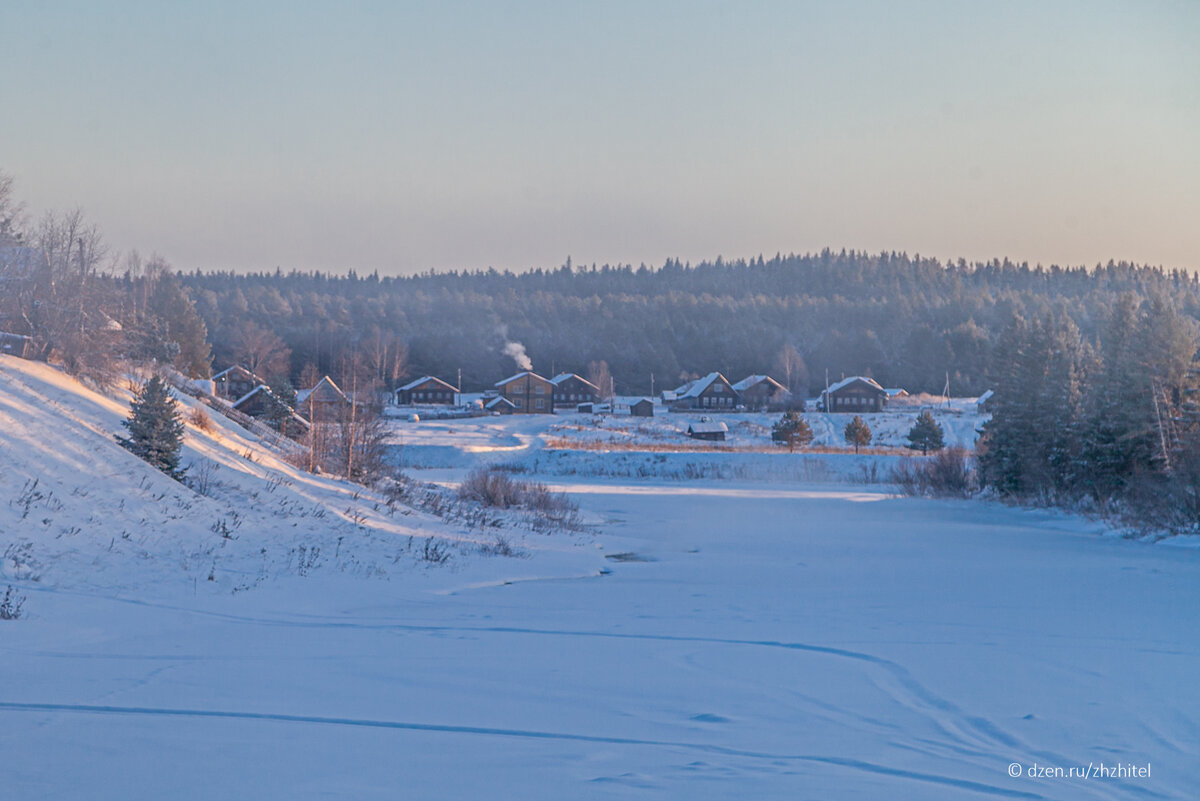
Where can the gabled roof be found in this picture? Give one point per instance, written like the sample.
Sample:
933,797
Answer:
698,386
252,393
499,400
521,374
755,380
422,380
561,377
325,390
707,427
235,368
985,397
845,382
895,392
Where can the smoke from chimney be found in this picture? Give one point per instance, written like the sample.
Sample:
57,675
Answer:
517,351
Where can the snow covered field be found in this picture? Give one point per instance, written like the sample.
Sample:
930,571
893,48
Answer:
715,639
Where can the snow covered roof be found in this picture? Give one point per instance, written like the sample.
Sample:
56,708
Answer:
697,387
499,400
251,394
754,380
235,368
845,382
895,392
561,377
521,374
422,380
330,387
985,397
707,427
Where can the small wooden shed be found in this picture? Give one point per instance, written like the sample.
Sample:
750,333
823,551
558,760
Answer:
642,408
708,430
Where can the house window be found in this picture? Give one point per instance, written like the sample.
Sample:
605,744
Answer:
539,390
539,404
517,402
718,388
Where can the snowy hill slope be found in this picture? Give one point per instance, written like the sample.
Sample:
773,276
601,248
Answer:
77,510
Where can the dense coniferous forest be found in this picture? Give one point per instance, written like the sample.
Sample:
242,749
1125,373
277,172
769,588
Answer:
905,320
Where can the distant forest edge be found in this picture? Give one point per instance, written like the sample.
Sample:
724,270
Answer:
905,320
1095,372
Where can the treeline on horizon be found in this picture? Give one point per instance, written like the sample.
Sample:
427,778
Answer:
1095,371
905,320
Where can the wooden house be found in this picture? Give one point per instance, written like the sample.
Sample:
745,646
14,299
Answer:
761,392
264,404
324,403
642,408
708,430
427,390
235,382
572,389
854,395
17,345
528,392
500,405
711,393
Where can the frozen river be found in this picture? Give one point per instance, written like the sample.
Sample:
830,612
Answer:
745,641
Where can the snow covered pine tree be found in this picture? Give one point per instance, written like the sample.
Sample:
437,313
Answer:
155,430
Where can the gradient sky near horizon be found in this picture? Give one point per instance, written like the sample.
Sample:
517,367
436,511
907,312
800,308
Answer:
411,136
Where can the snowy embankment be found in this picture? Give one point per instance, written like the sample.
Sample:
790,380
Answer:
620,446
78,511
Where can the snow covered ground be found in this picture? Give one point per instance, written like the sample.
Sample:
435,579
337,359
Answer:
716,639
620,446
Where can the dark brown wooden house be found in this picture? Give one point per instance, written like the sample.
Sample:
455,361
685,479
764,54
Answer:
17,345
571,389
427,390
324,403
711,393
761,392
236,382
500,405
263,404
642,408
528,392
854,395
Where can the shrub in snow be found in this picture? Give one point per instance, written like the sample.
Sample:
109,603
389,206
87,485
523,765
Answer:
490,488
11,604
155,430
948,473
547,510
200,419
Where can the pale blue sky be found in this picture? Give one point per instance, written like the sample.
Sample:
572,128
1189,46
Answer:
409,136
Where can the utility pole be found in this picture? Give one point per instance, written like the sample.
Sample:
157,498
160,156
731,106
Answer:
652,384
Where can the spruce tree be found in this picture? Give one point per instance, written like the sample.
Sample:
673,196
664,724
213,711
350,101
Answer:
792,430
926,434
858,433
155,430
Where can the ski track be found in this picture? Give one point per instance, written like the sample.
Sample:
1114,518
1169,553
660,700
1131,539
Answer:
853,764
965,734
